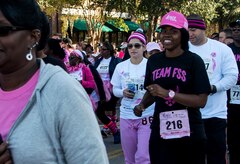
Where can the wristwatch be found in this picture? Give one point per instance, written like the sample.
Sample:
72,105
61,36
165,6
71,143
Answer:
171,94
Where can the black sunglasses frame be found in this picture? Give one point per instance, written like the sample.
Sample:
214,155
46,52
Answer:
236,29
136,45
6,30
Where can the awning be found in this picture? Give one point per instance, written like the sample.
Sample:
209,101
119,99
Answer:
131,25
106,29
111,26
81,25
108,26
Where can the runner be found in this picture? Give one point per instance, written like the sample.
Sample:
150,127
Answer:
105,66
177,81
222,72
127,84
233,123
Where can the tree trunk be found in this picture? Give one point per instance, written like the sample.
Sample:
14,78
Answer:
149,31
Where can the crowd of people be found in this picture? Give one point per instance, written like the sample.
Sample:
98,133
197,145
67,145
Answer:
178,98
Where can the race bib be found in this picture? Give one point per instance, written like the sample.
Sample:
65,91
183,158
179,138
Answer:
136,86
103,68
174,124
209,67
235,95
78,75
95,96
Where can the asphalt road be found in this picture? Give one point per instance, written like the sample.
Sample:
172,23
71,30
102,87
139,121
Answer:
114,151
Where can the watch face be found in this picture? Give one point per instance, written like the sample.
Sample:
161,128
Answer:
171,94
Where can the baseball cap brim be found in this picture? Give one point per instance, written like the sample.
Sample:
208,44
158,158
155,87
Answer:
123,46
170,24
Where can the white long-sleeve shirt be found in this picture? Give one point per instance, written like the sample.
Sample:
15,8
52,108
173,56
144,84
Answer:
127,73
222,72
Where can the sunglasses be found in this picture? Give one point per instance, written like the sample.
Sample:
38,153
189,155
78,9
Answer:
136,45
236,29
6,30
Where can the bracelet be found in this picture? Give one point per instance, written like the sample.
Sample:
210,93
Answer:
214,89
143,109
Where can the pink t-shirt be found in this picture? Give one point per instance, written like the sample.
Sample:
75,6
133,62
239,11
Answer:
13,103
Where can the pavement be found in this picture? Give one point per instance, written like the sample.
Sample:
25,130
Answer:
114,151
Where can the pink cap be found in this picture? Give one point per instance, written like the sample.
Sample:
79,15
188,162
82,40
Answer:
77,53
153,46
174,19
123,45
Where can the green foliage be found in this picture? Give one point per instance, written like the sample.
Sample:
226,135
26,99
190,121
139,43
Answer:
119,22
219,12
229,10
204,8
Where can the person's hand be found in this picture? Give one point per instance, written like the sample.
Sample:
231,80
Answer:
129,94
157,90
5,156
138,109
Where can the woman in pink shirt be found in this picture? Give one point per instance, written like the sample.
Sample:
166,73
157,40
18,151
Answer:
80,71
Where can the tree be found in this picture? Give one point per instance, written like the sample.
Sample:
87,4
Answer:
215,12
97,12
53,8
227,11
152,11
205,8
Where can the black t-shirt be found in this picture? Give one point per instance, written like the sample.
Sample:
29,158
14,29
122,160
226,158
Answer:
236,52
184,74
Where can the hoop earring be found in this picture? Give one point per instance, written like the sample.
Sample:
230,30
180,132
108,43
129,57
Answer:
29,56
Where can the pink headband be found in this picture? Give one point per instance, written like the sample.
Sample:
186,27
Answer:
137,35
196,23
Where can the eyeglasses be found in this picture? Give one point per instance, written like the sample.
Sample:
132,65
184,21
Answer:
136,45
6,30
236,29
